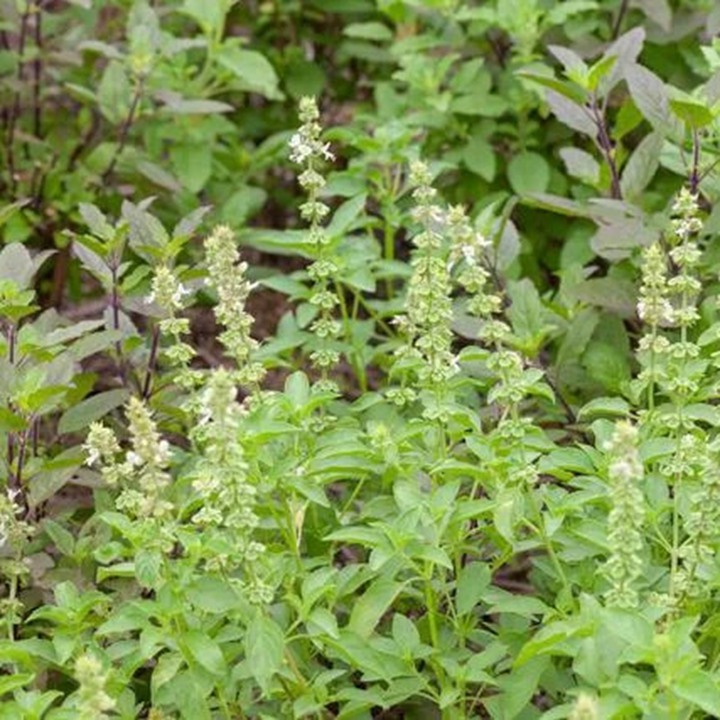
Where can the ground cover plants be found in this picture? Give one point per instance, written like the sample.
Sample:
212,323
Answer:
359,360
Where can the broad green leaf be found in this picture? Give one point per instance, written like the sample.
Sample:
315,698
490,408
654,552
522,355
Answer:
604,407
346,214
324,621
472,582
641,167
692,112
243,204
7,211
479,157
96,221
650,95
205,651
264,648
115,93
62,538
183,106
148,564
252,71
372,605
214,595
528,172
570,113
699,688
581,164
91,409
600,70
368,31
571,92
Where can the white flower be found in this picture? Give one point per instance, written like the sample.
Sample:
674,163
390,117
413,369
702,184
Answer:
93,455
303,147
468,252
163,452
178,295
300,149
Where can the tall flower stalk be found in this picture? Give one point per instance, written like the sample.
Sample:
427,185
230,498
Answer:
308,150
426,324
168,294
625,472
227,276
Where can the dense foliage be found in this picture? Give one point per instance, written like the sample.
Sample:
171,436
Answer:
359,359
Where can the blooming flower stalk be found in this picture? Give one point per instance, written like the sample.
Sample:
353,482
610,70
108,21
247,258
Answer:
426,323
585,708
226,275
220,477
625,471
309,151
143,473
93,702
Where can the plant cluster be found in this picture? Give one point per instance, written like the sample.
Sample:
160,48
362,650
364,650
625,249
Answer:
400,403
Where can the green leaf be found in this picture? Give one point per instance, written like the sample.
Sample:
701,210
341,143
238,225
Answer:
472,582
475,668
368,31
209,14
604,407
323,622
62,538
304,78
192,163
214,595
12,682
372,605
692,112
148,563
297,388
182,106
158,175
7,211
147,235
566,89
600,70
405,633
264,648
571,114
96,222
650,96
528,172
243,204
252,71
205,651
700,688
479,158
115,93
91,409
641,167
346,214
569,459
581,164
608,365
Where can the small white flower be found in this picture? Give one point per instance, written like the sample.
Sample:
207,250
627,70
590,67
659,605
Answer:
163,452
468,252
325,151
300,149
179,294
